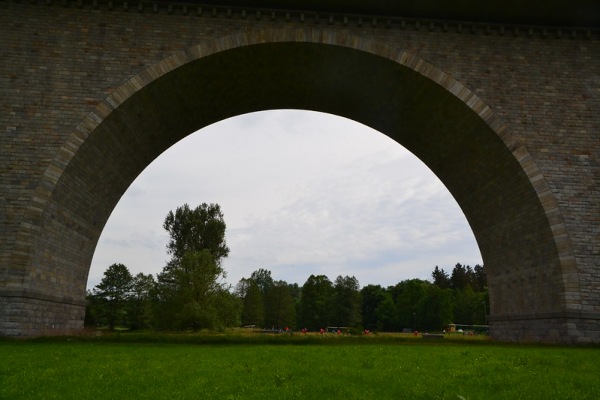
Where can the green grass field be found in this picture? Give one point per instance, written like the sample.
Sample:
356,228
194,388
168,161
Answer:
224,367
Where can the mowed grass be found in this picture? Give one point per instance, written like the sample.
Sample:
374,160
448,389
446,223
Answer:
327,369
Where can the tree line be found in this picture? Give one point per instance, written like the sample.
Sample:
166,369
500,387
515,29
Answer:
413,304
189,294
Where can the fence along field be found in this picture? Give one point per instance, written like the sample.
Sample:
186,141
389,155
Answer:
238,367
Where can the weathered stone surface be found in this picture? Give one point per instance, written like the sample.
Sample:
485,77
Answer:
506,116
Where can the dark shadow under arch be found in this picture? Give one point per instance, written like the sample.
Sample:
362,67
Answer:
503,195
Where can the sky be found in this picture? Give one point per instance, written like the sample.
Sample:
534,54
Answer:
302,193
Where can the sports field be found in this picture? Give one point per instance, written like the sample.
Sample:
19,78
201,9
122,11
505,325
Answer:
170,367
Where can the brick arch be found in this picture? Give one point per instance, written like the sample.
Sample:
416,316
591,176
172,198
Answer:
503,194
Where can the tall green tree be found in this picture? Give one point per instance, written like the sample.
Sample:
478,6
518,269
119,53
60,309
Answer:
253,291
263,279
194,230
372,296
229,309
193,287
241,288
387,314
253,309
190,287
346,307
407,295
280,306
296,292
315,305
140,301
435,308
470,307
113,291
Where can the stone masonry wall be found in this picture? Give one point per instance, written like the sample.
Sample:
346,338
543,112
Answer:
23,316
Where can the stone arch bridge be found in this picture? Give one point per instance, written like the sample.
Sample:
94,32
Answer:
504,107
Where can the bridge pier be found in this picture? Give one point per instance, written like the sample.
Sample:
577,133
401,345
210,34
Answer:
26,314
568,327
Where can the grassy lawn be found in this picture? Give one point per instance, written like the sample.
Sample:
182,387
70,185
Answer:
286,368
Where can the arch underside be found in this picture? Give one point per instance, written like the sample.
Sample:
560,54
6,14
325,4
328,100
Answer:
474,156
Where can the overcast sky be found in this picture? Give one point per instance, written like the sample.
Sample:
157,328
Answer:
302,193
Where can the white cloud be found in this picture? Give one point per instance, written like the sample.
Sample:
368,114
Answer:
303,193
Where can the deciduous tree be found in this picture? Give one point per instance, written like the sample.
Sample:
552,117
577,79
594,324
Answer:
193,230
387,314
190,287
435,308
140,301
372,297
315,306
346,305
253,309
262,278
407,295
114,290
280,307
